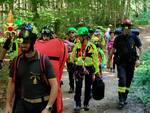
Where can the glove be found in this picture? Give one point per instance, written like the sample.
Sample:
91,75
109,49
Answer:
7,44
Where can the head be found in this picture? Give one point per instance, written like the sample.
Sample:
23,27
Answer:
47,33
112,34
72,32
96,41
126,26
97,33
91,31
83,34
28,39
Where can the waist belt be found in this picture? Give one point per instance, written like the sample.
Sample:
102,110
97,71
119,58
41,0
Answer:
37,100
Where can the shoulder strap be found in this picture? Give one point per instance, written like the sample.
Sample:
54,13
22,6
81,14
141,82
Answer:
15,66
42,59
42,62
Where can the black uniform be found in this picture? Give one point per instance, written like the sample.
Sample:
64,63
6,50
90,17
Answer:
125,58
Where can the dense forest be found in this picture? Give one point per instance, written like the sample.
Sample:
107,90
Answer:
64,13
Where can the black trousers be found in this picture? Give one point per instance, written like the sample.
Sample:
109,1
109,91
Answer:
70,68
125,75
79,83
22,106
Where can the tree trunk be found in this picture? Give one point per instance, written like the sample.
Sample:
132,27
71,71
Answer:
34,9
145,5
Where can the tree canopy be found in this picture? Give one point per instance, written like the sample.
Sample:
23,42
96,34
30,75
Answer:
64,13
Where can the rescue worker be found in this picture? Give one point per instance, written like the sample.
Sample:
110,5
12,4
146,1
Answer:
126,56
70,41
101,54
102,43
57,52
107,34
85,56
25,82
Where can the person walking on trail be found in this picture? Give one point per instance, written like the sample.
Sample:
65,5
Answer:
102,42
26,82
70,41
57,52
126,56
85,56
101,54
107,34
109,48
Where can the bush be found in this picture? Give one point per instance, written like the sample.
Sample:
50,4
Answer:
141,84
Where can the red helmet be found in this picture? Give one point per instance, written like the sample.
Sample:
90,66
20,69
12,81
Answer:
126,22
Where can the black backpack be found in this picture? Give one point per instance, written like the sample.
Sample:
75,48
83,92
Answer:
98,89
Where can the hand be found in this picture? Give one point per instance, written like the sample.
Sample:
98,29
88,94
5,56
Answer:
93,77
8,109
86,72
45,111
137,63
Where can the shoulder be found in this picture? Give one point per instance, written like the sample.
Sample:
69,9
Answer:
135,37
119,37
91,44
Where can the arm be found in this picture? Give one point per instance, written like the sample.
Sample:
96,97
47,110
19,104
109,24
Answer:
53,85
140,49
96,60
138,44
110,57
53,94
10,96
5,48
113,50
74,54
54,90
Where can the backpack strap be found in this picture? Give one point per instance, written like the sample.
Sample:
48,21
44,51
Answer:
42,59
15,66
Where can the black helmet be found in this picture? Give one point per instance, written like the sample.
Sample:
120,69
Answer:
48,31
25,32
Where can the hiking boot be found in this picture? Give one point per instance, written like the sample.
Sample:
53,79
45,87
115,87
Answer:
86,108
121,105
71,90
125,102
77,109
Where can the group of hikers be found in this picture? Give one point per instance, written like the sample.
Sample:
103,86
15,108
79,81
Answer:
35,75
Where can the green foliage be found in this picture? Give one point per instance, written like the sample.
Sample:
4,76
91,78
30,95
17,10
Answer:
143,19
62,14
141,84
